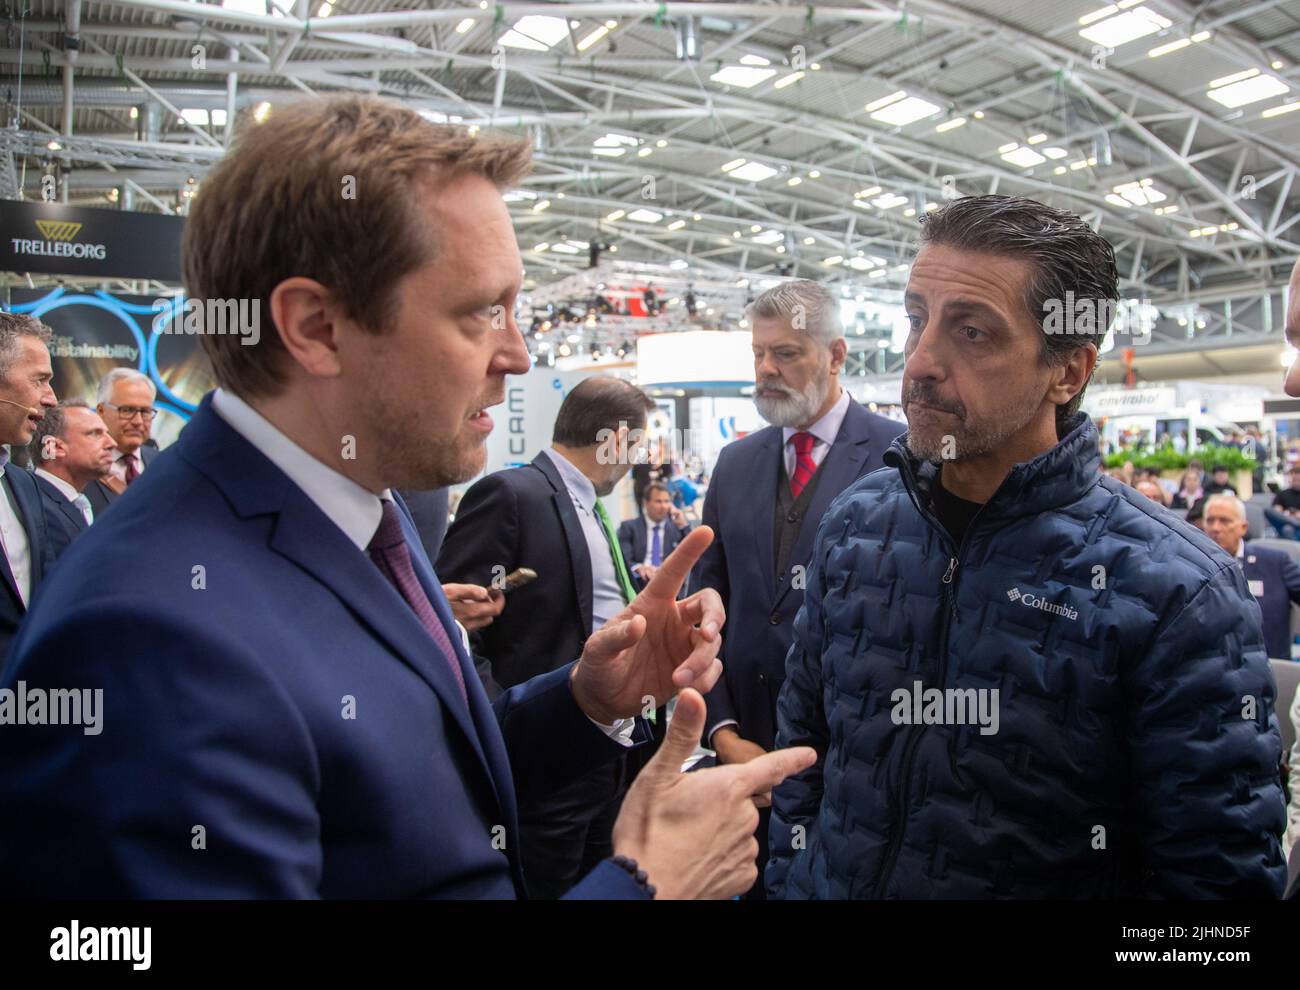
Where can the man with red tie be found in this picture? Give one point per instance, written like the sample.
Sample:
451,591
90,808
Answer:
766,497
126,403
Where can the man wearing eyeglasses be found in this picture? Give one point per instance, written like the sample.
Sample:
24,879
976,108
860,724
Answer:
126,400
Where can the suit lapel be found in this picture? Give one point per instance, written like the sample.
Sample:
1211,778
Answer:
304,535
70,512
764,469
487,736
640,541
5,571
28,500
579,557
840,468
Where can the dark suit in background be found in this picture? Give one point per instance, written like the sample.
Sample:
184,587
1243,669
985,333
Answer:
63,520
1274,580
634,538
429,510
20,488
740,565
524,517
101,496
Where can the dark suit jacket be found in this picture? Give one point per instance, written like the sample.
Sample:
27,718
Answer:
64,521
1281,581
225,704
429,511
101,496
633,539
524,517
27,498
761,605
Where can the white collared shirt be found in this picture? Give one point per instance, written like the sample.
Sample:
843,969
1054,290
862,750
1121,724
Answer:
13,534
606,593
71,494
353,509
825,430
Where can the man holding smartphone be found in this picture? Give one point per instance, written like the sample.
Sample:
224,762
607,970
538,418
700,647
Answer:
548,516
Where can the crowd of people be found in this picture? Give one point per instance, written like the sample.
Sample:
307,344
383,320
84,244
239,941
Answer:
64,461
950,658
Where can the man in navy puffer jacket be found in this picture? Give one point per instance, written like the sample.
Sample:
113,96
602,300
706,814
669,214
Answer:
1022,679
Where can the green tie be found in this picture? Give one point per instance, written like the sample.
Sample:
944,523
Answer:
620,568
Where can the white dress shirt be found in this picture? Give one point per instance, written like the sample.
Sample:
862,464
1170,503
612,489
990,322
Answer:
606,592
824,432
118,469
352,508
17,548
70,493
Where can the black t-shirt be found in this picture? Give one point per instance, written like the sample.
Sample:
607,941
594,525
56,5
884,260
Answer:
1214,488
955,513
1288,500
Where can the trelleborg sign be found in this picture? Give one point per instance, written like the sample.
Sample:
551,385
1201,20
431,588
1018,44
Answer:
66,240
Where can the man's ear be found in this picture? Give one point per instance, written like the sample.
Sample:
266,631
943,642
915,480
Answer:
839,353
1073,375
307,317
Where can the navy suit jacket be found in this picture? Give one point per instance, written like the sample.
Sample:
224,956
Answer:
275,720
27,498
101,496
740,507
524,517
63,520
1281,580
428,510
633,539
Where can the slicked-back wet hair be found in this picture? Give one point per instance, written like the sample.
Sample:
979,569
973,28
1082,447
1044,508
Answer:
1064,255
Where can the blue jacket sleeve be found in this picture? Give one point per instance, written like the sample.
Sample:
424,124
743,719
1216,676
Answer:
800,721
607,882
549,740
1204,751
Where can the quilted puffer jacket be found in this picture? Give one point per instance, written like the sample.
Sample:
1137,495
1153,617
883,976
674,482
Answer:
1131,748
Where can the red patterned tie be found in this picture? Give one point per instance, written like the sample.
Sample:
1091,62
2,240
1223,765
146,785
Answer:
391,555
128,465
804,465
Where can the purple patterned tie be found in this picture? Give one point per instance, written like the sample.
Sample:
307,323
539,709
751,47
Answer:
391,555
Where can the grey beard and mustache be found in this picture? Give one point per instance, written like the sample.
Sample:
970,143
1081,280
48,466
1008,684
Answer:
968,440
796,407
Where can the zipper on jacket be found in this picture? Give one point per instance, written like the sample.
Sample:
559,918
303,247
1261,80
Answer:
952,566
949,611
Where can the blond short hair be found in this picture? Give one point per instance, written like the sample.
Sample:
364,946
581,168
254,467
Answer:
277,206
